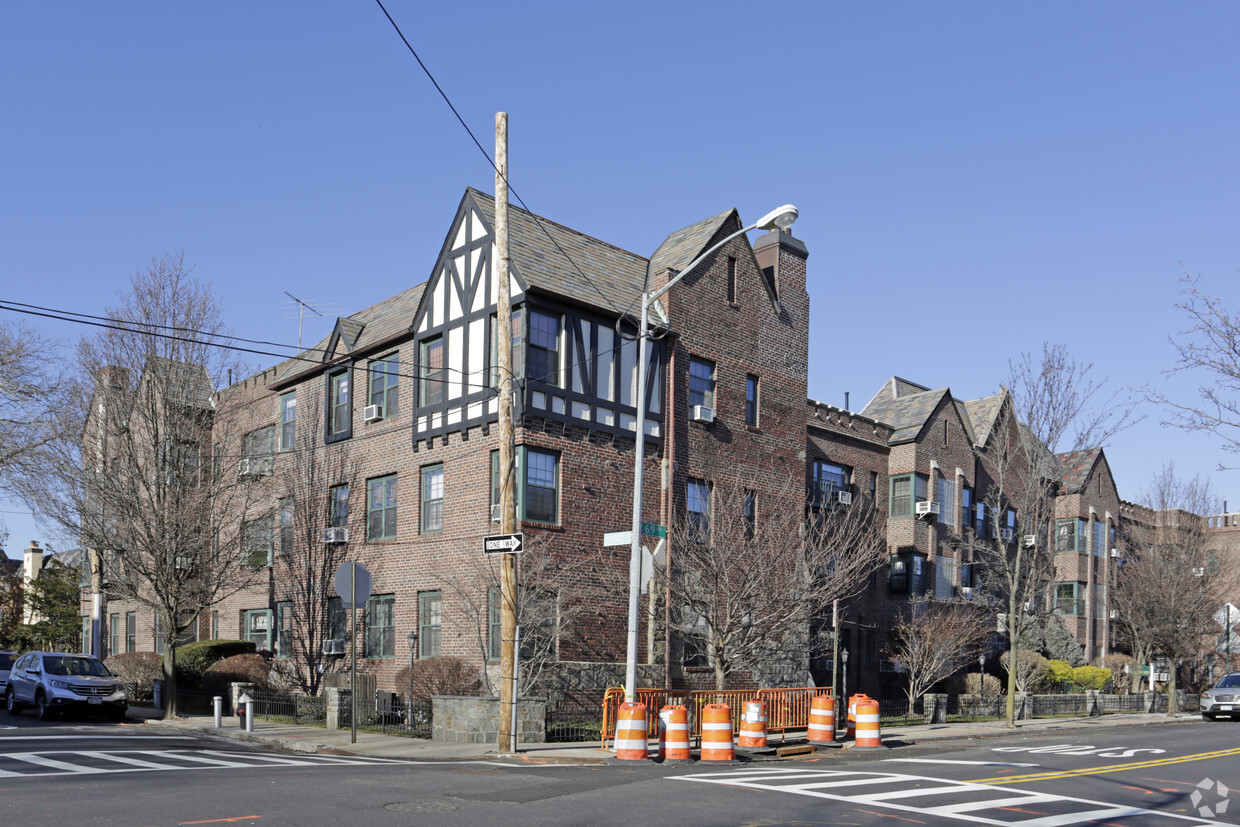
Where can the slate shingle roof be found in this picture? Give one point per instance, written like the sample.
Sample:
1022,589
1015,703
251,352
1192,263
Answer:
983,413
613,278
683,246
905,406
1074,468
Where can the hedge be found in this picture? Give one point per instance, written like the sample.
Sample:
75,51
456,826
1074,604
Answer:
194,659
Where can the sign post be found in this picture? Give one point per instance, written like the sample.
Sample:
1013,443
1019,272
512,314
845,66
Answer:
354,584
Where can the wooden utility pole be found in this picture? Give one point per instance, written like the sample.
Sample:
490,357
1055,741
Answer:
508,565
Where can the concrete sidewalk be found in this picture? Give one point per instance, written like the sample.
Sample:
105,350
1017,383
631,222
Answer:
303,738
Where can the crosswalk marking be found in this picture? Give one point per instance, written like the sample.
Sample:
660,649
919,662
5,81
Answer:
95,762
979,804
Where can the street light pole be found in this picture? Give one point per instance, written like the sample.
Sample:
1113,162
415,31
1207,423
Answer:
780,218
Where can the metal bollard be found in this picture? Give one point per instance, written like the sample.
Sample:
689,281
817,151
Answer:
219,711
249,715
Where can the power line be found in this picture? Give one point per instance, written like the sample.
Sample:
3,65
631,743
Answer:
491,162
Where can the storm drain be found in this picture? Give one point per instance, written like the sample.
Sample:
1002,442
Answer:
426,805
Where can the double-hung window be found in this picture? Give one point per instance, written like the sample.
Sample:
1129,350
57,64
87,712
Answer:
432,498
383,384
537,492
381,508
1100,538
544,348
131,631
430,623
258,628
259,452
340,506
701,383
946,498
337,619
381,626
906,491
698,510
288,421
1068,600
256,542
434,378
750,514
339,404
114,630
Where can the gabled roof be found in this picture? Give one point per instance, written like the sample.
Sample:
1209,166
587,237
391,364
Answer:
604,276
358,332
182,382
1075,468
905,406
683,246
984,414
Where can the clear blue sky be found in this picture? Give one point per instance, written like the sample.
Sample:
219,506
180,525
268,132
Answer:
973,178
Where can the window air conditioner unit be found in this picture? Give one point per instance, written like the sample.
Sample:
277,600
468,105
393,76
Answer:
496,516
701,413
927,509
245,468
967,592
1115,553
372,413
1115,614
1006,534
1198,571
1030,540
335,536
334,646
843,497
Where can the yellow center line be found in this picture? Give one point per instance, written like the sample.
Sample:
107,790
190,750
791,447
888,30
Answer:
1160,762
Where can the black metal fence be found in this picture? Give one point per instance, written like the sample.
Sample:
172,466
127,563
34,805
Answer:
896,711
289,707
573,720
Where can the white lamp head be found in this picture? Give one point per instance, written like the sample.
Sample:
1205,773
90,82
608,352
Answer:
781,217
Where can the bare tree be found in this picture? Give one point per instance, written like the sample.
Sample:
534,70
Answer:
556,589
1052,405
933,639
1029,668
32,407
147,489
1171,584
1210,348
747,578
315,484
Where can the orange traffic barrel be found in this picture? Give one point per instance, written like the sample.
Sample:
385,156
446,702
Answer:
753,726
717,733
869,733
674,734
821,720
853,700
631,732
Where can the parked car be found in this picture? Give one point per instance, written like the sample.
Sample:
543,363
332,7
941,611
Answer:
55,681
6,663
1222,699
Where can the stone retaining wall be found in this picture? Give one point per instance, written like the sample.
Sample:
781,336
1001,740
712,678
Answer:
473,720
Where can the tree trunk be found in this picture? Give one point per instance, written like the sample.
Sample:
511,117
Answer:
170,677
1009,711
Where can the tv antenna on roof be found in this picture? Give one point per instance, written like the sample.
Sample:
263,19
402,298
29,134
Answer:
301,312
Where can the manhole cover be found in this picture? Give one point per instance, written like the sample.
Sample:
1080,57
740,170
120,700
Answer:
427,806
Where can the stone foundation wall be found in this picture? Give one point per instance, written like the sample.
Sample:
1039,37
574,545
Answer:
473,720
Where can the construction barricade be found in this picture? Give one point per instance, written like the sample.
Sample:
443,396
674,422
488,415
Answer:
753,726
717,742
674,734
821,721
869,732
853,700
631,733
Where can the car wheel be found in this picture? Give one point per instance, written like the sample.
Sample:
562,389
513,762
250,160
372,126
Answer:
41,710
10,703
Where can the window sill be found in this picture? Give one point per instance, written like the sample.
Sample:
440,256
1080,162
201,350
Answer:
541,525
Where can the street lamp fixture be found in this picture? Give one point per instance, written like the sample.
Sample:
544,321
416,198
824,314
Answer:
780,218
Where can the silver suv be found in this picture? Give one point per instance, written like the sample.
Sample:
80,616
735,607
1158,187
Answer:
1222,699
55,681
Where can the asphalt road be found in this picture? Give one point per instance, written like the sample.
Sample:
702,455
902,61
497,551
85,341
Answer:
91,772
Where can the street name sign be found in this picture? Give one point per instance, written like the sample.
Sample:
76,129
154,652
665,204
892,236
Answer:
504,543
654,530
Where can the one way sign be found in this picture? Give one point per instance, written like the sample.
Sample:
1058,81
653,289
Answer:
504,544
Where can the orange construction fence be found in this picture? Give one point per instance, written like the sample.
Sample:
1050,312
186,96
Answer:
786,709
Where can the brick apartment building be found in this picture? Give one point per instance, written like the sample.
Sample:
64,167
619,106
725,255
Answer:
378,445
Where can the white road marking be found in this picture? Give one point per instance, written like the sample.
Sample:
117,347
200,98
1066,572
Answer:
959,763
160,760
887,790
